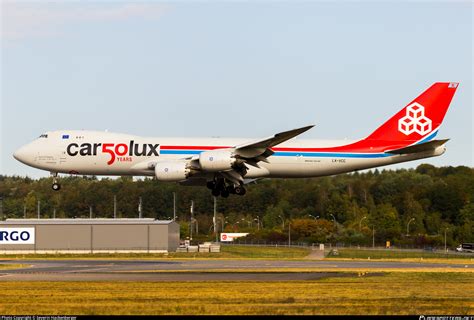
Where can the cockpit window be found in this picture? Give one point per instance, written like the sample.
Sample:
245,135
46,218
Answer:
44,135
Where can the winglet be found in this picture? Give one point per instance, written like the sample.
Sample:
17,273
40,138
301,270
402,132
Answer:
287,135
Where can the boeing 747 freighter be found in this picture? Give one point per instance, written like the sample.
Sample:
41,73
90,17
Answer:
226,165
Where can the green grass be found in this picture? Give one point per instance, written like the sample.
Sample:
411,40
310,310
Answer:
391,293
259,252
12,266
392,254
229,252
266,252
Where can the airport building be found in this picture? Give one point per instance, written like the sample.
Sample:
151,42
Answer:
88,235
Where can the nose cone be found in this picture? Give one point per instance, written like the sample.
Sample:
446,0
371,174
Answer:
23,155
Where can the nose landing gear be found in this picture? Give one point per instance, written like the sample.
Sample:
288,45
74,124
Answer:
56,186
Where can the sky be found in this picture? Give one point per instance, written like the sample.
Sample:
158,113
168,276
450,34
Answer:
230,69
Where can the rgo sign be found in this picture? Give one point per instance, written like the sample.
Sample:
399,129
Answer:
17,236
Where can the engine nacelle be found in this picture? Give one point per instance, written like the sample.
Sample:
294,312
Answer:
216,160
172,171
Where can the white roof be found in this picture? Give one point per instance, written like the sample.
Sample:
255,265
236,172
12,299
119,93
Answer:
84,221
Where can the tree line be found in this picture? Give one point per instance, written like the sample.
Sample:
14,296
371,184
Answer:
405,206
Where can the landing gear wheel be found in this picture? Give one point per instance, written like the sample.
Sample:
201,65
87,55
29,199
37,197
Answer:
240,190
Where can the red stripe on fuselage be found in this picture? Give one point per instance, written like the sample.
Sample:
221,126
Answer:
362,146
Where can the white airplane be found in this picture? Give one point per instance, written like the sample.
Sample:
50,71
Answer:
226,165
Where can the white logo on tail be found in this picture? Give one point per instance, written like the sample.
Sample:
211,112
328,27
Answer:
415,121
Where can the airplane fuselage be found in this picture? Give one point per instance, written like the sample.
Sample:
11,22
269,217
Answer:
104,153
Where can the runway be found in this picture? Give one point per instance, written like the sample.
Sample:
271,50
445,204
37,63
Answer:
198,270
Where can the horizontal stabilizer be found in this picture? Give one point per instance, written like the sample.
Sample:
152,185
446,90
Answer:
421,147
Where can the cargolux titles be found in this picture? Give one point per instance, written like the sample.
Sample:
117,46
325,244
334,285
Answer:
117,151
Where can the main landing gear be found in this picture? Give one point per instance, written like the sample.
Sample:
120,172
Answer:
219,187
56,186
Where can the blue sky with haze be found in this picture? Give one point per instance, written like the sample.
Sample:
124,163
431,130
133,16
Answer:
233,69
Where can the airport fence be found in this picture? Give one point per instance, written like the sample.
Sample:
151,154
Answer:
340,245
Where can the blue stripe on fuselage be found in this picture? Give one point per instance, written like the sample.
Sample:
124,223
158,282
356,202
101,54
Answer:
331,154
295,154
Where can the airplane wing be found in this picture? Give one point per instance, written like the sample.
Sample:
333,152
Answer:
245,154
259,150
421,147
262,147
253,152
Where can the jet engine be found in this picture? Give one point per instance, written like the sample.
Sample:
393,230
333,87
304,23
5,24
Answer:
172,171
216,160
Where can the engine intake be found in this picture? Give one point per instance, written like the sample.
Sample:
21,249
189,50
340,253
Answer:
216,160
172,171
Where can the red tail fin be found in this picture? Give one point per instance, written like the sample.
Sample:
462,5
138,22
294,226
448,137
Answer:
420,118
